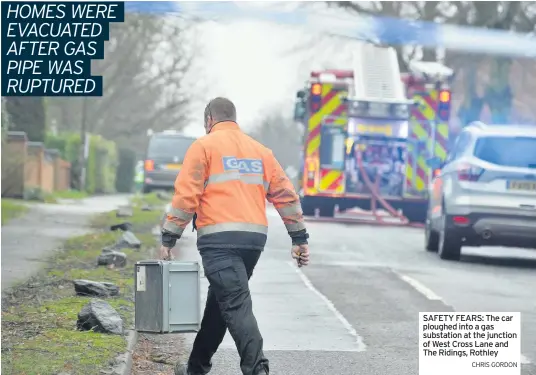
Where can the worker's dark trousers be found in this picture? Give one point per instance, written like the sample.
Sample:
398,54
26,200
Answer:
229,306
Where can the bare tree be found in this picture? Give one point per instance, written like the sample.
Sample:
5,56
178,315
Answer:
485,82
145,70
492,93
5,122
282,135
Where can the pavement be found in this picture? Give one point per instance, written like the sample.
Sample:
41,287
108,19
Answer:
354,310
27,241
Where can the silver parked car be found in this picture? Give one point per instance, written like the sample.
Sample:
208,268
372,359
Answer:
485,193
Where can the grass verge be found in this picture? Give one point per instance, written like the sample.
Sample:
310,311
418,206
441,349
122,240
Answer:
11,208
65,194
153,199
36,194
39,333
140,218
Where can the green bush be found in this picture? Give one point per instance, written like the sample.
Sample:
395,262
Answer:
125,171
101,164
68,145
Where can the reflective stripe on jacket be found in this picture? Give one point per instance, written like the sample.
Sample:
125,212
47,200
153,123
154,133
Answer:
226,178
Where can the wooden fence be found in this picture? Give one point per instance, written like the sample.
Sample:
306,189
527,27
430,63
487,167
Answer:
28,165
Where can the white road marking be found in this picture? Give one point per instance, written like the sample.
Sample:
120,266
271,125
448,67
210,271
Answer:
346,324
290,317
425,291
428,293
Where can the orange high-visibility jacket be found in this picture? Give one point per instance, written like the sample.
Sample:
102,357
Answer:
226,178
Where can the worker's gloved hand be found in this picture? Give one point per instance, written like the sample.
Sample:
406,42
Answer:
300,253
165,253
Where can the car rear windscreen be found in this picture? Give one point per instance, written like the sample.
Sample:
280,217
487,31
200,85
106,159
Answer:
507,151
169,147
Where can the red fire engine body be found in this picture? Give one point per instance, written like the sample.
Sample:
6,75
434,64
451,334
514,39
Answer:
358,151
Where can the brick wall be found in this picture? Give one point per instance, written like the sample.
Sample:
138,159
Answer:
33,169
62,176
30,165
13,164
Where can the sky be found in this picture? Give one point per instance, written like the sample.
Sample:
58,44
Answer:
244,61
260,66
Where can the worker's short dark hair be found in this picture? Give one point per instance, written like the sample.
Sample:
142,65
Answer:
220,109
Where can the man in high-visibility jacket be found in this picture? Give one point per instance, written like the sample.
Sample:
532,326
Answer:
225,180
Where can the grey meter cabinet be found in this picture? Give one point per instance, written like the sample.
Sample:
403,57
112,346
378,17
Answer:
168,296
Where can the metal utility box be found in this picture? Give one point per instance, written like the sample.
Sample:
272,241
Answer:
167,297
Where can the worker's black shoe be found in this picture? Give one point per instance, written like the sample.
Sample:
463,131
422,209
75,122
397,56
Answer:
181,369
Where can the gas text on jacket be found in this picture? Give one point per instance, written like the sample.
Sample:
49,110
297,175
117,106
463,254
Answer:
245,166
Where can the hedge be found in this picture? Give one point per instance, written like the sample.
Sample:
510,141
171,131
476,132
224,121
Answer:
126,170
101,164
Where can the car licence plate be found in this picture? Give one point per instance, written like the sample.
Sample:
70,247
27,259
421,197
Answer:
173,166
522,185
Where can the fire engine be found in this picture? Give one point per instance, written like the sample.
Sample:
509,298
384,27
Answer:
369,132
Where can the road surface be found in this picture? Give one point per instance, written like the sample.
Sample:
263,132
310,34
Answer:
28,240
354,310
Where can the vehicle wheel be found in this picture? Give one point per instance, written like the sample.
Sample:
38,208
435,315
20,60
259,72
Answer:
146,189
326,210
308,211
307,207
450,245
431,238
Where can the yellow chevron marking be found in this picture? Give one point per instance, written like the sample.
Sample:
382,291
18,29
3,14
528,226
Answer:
443,130
416,183
313,145
425,108
419,183
419,131
316,119
324,111
421,164
328,179
409,172
440,152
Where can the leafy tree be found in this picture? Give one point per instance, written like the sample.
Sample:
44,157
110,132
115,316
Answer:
27,114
